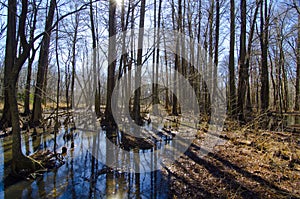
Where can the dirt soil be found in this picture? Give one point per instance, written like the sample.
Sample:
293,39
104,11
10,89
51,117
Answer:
251,164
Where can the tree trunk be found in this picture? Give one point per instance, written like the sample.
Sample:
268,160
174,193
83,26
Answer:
264,96
232,89
42,65
243,70
156,97
30,62
27,87
154,57
111,61
95,78
297,98
216,59
210,43
177,55
137,93
13,66
74,59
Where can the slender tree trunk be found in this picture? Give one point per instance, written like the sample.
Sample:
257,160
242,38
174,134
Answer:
57,88
42,65
132,25
244,61
167,101
111,61
177,55
67,80
6,116
285,80
200,60
154,57
27,86
137,93
243,70
211,47
216,59
30,62
124,57
192,66
297,97
264,97
95,78
232,89
158,39
248,56
74,42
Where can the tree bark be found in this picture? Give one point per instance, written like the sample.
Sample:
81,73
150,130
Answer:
264,37
13,66
232,88
243,70
42,65
297,98
74,42
111,61
177,55
156,97
95,78
30,62
216,58
137,93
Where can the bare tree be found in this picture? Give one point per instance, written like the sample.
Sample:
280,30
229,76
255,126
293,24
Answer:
13,66
243,70
297,97
264,39
137,93
111,61
42,65
30,61
232,89
95,77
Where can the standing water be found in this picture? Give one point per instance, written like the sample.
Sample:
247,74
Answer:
82,175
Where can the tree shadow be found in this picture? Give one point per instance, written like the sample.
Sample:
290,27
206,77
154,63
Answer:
229,179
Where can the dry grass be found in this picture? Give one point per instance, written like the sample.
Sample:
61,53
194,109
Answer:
252,164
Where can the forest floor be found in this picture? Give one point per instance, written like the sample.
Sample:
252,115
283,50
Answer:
251,164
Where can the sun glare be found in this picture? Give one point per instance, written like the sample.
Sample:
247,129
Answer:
119,2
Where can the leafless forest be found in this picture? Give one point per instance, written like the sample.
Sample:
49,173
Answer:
150,99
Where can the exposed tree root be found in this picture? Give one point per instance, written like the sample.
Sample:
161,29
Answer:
25,165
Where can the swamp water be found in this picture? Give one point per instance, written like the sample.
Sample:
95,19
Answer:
82,175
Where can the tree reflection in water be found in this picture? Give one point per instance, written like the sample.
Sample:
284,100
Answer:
83,175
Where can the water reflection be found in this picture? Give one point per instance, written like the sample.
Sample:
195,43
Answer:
82,175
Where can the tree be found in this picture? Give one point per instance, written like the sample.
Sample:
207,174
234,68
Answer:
211,46
264,26
232,89
137,92
155,93
73,61
216,58
30,62
95,78
244,60
111,61
177,55
42,65
13,66
297,97
243,70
